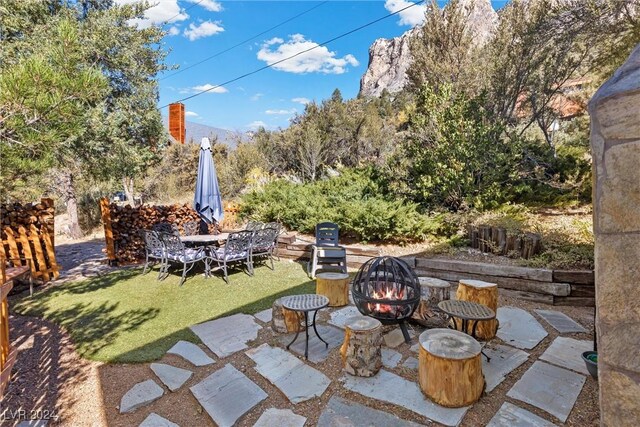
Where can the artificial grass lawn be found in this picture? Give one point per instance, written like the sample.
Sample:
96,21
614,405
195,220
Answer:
129,317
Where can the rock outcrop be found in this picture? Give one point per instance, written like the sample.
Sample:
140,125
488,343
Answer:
389,59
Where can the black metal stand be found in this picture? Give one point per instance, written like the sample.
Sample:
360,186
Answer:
405,332
306,332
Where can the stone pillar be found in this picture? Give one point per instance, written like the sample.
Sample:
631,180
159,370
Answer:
615,145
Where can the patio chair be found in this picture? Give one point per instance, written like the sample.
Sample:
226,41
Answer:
154,251
191,228
326,251
177,253
166,227
254,225
263,244
275,225
236,249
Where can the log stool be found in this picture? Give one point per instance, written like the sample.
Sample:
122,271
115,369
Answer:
484,293
450,368
283,320
362,347
334,286
432,292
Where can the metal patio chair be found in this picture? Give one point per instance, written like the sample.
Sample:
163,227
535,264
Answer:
177,253
263,244
154,251
237,249
254,225
191,228
166,227
327,251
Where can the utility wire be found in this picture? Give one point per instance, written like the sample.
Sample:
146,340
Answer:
181,11
244,41
299,53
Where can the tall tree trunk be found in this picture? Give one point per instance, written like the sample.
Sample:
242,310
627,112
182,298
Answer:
127,184
70,199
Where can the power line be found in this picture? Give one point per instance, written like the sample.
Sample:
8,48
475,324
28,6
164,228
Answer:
181,11
244,41
299,53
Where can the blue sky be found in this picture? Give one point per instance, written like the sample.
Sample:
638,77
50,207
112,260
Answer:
269,98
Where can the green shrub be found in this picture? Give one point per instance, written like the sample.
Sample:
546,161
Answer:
353,200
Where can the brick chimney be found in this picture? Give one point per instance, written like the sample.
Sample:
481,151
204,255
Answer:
176,122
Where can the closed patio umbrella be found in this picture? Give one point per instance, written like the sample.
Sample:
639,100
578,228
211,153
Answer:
207,201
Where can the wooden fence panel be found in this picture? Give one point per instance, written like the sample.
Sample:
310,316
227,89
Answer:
51,254
14,253
37,246
105,211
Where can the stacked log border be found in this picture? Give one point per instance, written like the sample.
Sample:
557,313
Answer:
291,248
499,241
556,287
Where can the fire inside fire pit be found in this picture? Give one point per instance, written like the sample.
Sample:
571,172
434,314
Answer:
387,289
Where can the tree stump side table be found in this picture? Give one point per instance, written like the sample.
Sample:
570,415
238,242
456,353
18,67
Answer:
334,286
450,368
432,292
484,293
361,350
284,321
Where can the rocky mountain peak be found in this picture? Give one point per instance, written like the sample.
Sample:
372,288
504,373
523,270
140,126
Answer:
389,59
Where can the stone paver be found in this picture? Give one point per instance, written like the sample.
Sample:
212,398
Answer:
227,335
298,381
552,389
281,418
399,391
510,415
519,328
394,338
410,363
191,353
504,359
227,394
339,317
560,321
264,316
139,395
415,348
567,352
345,413
155,420
390,357
318,352
171,376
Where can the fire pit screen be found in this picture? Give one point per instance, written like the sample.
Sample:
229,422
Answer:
387,289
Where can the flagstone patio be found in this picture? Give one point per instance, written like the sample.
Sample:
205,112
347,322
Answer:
252,368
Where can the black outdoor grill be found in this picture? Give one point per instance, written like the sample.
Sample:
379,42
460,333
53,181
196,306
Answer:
387,289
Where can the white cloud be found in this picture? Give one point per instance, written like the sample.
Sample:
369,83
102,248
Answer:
303,101
318,60
412,16
210,5
158,14
173,31
257,96
256,124
190,114
204,29
209,88
280,112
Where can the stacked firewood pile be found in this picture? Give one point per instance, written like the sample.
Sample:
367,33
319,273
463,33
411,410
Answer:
14,215
126,223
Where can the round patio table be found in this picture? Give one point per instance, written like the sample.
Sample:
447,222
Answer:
204,239
306,303
466,311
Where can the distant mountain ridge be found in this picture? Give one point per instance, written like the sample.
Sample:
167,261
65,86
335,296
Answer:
196,131
389,59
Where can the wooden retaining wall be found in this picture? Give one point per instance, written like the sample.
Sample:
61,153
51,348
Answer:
556,287
500,241
292,248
